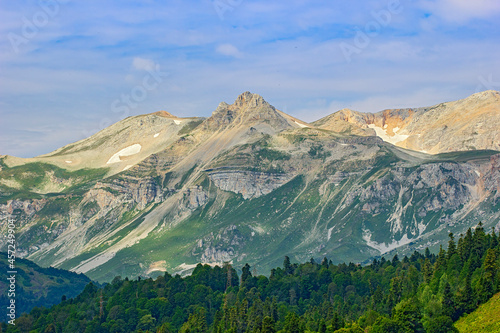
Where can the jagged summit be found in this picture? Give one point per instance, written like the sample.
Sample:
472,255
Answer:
247,110
251,100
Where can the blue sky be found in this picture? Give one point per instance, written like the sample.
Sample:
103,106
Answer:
70,68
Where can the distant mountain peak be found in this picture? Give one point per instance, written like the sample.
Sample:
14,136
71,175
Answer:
247,109
251,100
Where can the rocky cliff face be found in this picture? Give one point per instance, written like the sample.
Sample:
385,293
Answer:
248,183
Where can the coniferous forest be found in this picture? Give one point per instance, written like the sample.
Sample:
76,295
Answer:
421,293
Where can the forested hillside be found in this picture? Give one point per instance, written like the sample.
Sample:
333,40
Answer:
38,286
420,293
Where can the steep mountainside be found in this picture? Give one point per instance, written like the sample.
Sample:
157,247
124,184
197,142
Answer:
467,124
248,184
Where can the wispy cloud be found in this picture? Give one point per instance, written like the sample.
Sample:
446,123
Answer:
229,50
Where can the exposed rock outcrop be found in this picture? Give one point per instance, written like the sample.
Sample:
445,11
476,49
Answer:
248,109
249,184
221,247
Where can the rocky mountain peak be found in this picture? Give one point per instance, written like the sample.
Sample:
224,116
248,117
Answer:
247,109
250,100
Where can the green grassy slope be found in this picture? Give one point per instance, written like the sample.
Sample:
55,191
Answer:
486,318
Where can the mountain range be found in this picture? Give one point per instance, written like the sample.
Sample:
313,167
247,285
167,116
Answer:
156,192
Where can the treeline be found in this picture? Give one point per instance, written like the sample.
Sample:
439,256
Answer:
421,293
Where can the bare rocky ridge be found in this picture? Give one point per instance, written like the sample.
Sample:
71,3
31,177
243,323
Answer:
467,124
250,184
118,147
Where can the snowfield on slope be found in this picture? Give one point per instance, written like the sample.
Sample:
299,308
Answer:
395,139
131,150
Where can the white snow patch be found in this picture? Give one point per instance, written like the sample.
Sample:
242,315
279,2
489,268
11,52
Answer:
395,129
301,125
383,247
156,135
177,122
128,167
385,126
69,162
381,133
478,173
131,150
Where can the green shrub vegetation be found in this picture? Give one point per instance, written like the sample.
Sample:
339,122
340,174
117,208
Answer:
421,293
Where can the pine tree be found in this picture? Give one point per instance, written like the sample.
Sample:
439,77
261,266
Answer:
427,253
494,238
452,249
274,309
268,325
448,302
466,247
478,246
245,273
427,271
395,260
488,280
292,323
287,266
440,262
324,262
465,298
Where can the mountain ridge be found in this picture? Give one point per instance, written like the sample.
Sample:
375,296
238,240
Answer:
465,124
248,184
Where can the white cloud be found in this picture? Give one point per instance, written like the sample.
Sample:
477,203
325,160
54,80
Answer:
229,50
143,64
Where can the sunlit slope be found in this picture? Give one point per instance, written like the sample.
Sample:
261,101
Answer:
485,319
118,147
467,124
